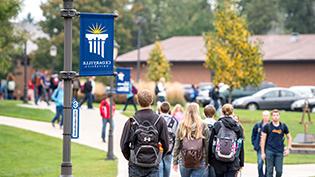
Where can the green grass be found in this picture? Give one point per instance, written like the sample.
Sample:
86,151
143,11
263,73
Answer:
249,118
11,109
28,154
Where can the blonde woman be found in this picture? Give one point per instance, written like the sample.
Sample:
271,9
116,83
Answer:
191,144
178,112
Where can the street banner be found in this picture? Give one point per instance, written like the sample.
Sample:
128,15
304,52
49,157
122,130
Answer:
96,44
123,81
75,120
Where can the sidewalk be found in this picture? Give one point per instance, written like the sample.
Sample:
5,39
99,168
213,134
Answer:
90,135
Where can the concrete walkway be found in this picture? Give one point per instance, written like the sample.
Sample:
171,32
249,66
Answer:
90,135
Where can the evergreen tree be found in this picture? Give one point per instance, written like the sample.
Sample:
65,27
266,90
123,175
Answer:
158,65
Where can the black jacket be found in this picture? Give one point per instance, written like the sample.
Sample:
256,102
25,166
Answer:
256,134
145,114
222,167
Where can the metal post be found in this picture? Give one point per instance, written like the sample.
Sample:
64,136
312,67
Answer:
68,12
138,55
25,73
110,153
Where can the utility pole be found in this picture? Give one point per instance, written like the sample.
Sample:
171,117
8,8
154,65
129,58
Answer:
25,99
68,12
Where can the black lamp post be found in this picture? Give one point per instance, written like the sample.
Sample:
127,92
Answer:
25,99
139,21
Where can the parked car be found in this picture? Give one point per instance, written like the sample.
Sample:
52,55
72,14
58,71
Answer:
238,93
270,98
203,94
299,104
305,91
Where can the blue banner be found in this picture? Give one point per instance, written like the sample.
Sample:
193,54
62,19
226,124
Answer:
123,84
75,119
96,44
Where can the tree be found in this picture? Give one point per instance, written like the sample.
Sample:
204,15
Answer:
158,65
8,35
299,15
235,59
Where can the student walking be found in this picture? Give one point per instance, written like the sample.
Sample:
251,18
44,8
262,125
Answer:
172,124
209,112
140,139
256,134
178,112
191,144
272,144
88,87
105,113
57,97
226,140
131,97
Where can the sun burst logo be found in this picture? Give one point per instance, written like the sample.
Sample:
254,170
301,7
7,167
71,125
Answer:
96,37
97,29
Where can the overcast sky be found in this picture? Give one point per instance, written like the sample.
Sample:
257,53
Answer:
31,6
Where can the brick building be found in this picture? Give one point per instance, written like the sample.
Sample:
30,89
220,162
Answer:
288,60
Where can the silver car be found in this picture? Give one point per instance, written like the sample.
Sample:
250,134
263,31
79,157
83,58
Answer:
270,98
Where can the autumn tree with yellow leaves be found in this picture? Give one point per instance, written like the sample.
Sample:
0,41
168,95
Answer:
158,65
231,55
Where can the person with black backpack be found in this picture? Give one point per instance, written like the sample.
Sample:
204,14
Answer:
172,124
88,93
141,137
191,144
272,144
226,141
209,112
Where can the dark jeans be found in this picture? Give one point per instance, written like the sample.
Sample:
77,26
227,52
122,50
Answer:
274,160
130,100
105,121
89,98
135,171
260,163
211,172
41,92
10,94
227,174
59,112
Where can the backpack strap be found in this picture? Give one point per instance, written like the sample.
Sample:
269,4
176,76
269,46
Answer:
157,120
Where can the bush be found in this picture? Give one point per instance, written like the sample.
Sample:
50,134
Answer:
175,93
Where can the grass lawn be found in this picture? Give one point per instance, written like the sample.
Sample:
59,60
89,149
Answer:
11,109
249,118
28,154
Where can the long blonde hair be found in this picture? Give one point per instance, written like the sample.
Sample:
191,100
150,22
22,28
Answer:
191,126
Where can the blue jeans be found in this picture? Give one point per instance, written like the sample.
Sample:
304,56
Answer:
211,172
260,163
192,172
135,171
165,166
105,121
89,98
274,160
59,112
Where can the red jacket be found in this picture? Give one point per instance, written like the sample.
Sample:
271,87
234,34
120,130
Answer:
104,109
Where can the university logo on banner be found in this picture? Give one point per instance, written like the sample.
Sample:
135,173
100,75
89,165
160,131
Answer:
96,44
123,84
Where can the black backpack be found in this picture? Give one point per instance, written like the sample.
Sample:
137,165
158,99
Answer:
144,151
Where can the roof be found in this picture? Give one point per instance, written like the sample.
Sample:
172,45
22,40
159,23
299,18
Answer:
191,48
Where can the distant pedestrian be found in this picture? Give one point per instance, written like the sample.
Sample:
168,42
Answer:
214,94
256,136
191,144
172,124
131,97
272,144
209,112
160,91
178,112
76,86
11,86
194,93
141,137
57,97
87,89
105,113
227,141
